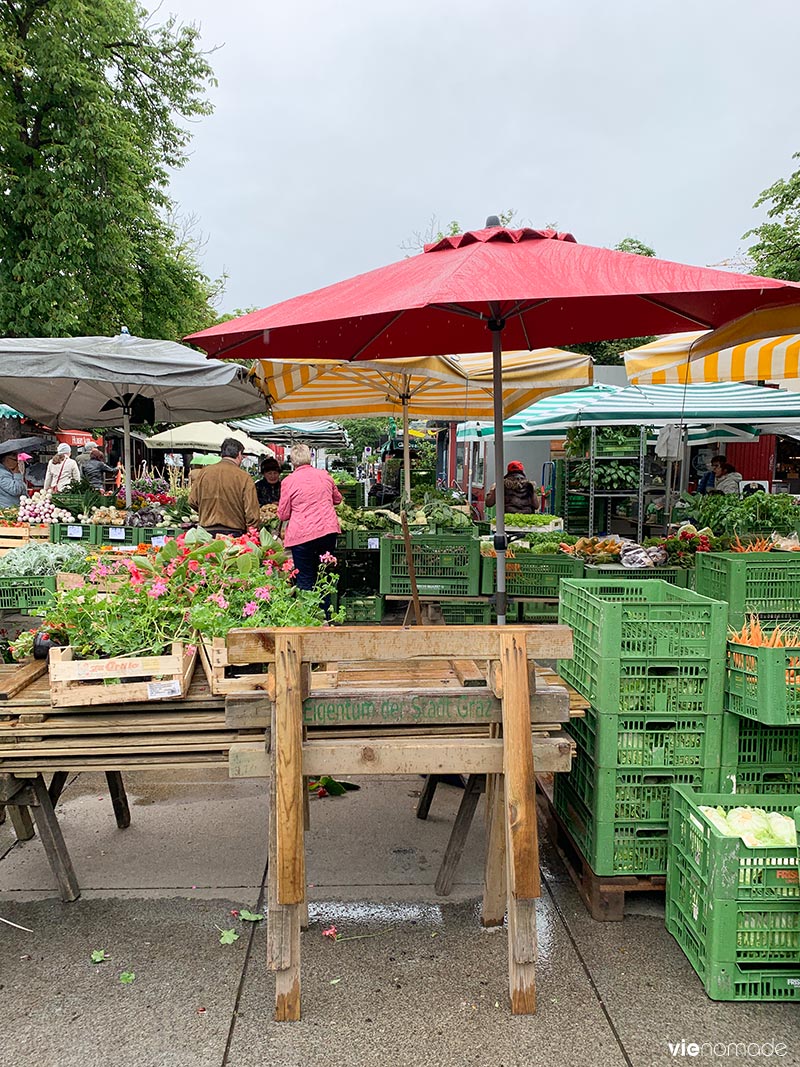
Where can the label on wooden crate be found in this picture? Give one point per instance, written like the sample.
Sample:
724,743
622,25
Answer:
159,690
74,531
116,533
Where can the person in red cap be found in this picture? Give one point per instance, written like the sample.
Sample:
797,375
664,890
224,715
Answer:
520,493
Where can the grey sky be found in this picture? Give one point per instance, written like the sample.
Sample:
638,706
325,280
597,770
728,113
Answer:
340,128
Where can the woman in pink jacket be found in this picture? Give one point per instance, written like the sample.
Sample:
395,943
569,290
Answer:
307,507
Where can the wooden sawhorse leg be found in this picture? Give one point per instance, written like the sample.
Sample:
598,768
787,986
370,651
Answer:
53,840
21,821
458,835
119,799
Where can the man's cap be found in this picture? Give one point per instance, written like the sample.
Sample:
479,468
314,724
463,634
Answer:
515,467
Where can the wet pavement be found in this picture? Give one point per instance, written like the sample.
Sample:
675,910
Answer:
412,979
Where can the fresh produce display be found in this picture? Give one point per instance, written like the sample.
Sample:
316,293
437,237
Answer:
149,515
595,549
782,635
438,513
537,519
104,516
344,478
361,519
729,514
39,508
579,438
42,558
756,827
82,491
682,547
9,517
613,475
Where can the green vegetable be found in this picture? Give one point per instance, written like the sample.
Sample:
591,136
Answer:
544,519
41,558
756,827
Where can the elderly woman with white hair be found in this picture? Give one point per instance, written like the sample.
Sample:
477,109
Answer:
62,470
307,505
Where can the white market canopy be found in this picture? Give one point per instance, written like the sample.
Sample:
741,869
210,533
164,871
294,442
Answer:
315,434
205,437
720,406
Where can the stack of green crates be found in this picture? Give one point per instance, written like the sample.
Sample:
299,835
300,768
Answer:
648,658
759,759
533,576
673,575
361,608
444,565
734,910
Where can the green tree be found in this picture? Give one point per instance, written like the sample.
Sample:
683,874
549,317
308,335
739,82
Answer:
364,433
776,251
93,98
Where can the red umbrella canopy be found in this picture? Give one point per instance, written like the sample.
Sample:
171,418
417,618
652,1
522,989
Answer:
543,287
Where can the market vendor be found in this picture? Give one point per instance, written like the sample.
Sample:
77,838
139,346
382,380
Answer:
62,470
268,487
520,493
223,495
12,481
726,476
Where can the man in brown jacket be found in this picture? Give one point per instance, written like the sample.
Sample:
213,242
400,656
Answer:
224,495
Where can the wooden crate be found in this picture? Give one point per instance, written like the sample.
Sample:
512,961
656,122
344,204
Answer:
220,674
78,581
19,536
138,679
14,677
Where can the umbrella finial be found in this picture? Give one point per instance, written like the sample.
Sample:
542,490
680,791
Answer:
493,220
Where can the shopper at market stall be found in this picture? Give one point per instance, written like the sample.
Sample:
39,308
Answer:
95,468
520,493
268,487
12,481
62,470
726,477
223,495
706,483
307,506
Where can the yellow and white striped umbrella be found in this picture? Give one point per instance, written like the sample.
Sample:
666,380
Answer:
431,387
684,358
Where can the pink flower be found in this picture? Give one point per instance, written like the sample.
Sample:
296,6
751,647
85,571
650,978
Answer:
190,650
287,566
193,565
331,932
262,593
327,558
137,577
158,588
219,600
249,609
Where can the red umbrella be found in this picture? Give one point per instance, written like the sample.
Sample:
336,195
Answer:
523,288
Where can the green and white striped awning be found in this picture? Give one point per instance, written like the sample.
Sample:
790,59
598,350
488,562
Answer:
715,407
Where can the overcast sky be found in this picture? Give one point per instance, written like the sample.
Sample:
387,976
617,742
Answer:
341,128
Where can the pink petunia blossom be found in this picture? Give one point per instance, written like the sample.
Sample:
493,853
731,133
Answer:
287,566
331,932
327,558
193,566
219,600
262,593
158,588
249,609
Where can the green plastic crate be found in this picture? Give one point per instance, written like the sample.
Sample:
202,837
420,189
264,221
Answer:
352,495
763,684
643,620
62,533
747,743
728,980
359,572
659,687
627,447
466,612
146,534
27,593
631,741
363,540
746,780
443,564
362,609
733,908
115,535
537,611
644,646
531,575
611,848
727,868
674,575
761,582
632,795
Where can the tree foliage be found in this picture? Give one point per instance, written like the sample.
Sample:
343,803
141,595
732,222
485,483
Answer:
93,101
776,251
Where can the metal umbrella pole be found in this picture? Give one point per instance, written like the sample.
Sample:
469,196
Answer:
126,460
496,325
405,396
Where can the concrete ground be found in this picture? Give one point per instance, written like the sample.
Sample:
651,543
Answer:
419,983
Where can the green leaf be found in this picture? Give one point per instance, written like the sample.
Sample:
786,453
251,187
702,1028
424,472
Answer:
127,977
227,937
99,955
249,916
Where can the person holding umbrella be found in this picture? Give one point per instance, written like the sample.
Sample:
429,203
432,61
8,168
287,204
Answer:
12,481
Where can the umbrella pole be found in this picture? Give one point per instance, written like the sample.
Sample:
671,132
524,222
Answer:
126,423
406,453
495,325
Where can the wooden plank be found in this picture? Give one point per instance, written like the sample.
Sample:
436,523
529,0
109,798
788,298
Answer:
21,821
53,841
164,761
9,785
406,755
279,955
287,741
493,905
521,924
117,724
119,799
21,677
214,660
458,835
373,643
468,672
518,770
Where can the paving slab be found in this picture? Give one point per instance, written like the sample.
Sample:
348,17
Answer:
654,997
424,986
60,1010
